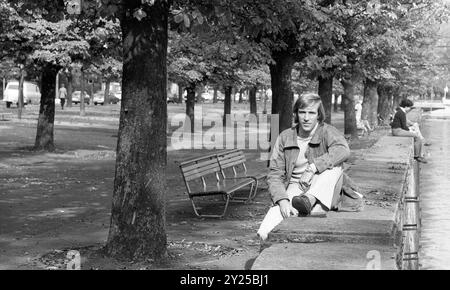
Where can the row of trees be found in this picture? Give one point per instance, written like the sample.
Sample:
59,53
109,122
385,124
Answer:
382,44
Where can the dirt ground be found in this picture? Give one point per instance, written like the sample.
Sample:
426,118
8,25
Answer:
52,203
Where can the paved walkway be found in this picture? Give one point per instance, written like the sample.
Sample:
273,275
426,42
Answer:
435,193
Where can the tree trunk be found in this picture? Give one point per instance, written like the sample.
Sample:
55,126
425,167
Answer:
335,105
397,98
180,94
20,101
190,104
384,104
227,104
370,104
342,104
252,99
69,89
46,119
215,96
280,74
241,92
82,110
138,230
326,94
349,108
107,85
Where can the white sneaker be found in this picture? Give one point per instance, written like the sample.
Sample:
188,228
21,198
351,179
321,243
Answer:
262,236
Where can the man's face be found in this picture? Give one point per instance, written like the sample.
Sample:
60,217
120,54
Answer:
308,117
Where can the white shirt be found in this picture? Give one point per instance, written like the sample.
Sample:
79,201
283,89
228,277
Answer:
62,93
358,109
301,163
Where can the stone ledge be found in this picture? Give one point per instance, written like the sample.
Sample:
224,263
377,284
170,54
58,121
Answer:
325,256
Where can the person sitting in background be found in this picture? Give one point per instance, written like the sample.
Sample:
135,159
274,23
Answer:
402,127
361,124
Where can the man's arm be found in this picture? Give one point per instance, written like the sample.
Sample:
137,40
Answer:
275,180
277,173
338,151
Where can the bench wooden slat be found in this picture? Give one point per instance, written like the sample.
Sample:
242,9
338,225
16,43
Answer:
199,162
201,174
193,160
231,164
187,169
230,154
224,161
235,157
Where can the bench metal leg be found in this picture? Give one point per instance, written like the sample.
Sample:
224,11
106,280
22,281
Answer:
227,201
255,190
249,197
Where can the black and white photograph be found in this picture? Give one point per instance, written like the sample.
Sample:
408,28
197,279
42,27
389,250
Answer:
223,139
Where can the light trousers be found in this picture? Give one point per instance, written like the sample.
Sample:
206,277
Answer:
325,187
417,139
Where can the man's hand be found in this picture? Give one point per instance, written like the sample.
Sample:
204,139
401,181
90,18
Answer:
306,178
286,208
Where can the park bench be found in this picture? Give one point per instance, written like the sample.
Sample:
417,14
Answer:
234,161
203,177
230,175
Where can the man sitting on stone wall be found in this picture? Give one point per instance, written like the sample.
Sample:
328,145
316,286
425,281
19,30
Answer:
306,172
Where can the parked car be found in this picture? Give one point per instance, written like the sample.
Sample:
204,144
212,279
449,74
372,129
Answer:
206,96
99,98
220,97
76,96
173,99
116,90
31,93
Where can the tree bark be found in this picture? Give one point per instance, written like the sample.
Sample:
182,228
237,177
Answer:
107,85
326,94
370,104
46,119
397,98
280,74
20,101
215,96
252,99
342,104
69,89
384,104
82,110
180,94
241,92
138,226
335,105
227,104
349,107
190,104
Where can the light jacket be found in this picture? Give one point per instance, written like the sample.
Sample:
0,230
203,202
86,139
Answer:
327,149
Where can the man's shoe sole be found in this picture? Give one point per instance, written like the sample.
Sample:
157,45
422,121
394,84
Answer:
302,204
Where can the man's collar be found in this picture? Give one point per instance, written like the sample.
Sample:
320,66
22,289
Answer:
404,111
316,138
